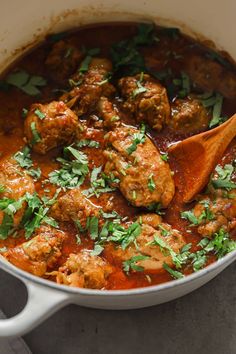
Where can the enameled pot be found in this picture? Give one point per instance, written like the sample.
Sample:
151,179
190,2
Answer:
22,24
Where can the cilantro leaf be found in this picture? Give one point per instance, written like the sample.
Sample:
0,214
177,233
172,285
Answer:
151,183
23,157
87,143
73,172
97,250
25,82
139,138
24,160
174,273
39,114
131,263
189,215
125,54
100,183
36,136
224,177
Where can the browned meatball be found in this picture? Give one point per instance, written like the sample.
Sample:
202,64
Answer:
85,97
145,245
211,76
109,113
62,61
188,116
50,125
16,184
216,213
40,254
84,270
144,178
73,205
146,99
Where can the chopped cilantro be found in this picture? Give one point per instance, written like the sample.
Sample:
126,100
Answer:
25,82
140,88
39,114
165,157
224,177
125,55
84,66
184,85
36,137
97,250
93,227
215,102
72,172
24,160
151,183
23,157
131,263
139,138
174,273
87,143
100,183
189,215
124,236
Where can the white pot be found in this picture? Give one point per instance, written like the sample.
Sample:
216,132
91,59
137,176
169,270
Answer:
25,22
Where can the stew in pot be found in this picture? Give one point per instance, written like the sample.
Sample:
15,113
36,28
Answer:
89,196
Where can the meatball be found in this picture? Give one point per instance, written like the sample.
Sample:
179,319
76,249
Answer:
211,76
215,213
84,270
94,84
50,125
188,116
109,113
40,254
73,206
62,61
148,243
16,184
144,178
147,99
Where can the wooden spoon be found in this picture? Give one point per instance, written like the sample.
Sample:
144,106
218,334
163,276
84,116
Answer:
197,156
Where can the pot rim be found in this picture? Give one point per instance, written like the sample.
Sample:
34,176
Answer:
25,277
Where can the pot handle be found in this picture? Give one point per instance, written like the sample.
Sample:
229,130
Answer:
42,302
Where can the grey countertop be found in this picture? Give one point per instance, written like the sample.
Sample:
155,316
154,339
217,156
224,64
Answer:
203,322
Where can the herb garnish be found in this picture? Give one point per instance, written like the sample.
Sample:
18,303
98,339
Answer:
84,66
174,273
151,183
224,177
215,102
184,85
165,157
25,82
140,88
87,143
190,216
36,136
24,160
72,172
35,214
139,138
125,54
39,114
131,263
100,183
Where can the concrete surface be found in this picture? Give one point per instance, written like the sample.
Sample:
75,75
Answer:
203,322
